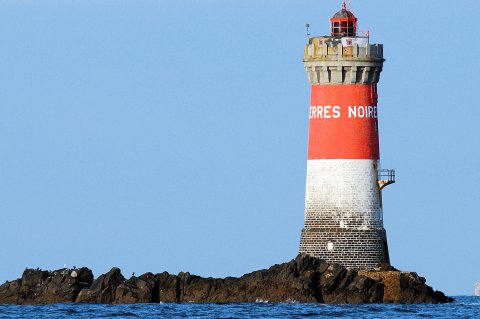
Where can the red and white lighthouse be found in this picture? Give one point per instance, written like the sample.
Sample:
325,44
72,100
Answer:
343,202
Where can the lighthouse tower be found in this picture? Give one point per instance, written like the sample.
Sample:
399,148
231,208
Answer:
343,202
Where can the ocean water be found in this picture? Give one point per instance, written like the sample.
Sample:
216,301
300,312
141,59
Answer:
464,307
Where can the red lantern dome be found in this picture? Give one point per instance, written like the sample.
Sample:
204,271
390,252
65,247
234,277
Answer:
344,23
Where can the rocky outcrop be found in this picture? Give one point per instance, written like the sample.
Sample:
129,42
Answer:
143,289
46,287
304,279
103,288
405,288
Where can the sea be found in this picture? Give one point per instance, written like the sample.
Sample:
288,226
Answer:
463,307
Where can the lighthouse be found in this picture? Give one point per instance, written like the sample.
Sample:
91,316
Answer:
343,198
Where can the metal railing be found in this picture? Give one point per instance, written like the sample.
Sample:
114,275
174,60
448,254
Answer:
386,175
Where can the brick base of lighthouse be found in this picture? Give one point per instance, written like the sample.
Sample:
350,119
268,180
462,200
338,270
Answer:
359,249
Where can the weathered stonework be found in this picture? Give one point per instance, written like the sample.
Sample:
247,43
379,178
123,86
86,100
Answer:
359,249
328,61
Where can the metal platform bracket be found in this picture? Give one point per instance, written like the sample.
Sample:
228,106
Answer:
386,177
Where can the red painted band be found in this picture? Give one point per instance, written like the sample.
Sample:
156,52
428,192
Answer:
343,122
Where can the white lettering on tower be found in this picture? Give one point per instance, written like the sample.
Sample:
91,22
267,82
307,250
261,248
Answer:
361,112
334,112
325,112
352,111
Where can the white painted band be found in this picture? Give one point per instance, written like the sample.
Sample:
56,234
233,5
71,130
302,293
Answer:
343,193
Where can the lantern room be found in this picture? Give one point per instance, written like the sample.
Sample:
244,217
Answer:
344,23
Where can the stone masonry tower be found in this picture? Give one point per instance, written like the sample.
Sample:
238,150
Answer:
343,202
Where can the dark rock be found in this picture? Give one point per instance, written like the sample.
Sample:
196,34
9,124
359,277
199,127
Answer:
406,288
103,289
44,287
11,292
440,297
304,279
135,290
168,288
63,285
364,290
414,291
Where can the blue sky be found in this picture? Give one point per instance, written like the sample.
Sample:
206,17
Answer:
172,135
